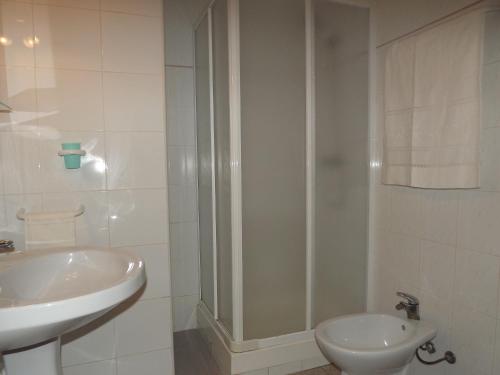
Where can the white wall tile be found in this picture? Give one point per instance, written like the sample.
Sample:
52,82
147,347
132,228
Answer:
137,217
157,260
384,292
152,363
437,270
183,239
90,344
491,95
69,38
473,340
385,283
20,161
17,26
180,126
70,100
440,209
185,272
133,102
182,203
478,221
180,103
136,160
438,312
87,4
3,214
180,87
185,275
178,35
182,169
439,369
2,191
476,283
490,154
96,368
141,7
91,175
492,40
182,165
122,34
17,89
14,230
403,258
144,327
184,309
92,227
407,211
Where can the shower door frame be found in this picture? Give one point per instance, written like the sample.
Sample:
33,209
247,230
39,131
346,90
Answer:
236,341
208,14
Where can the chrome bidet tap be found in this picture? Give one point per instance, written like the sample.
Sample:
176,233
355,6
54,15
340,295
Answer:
411,305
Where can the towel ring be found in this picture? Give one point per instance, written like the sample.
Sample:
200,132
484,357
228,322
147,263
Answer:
21,214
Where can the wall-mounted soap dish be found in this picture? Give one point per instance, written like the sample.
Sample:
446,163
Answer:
21,213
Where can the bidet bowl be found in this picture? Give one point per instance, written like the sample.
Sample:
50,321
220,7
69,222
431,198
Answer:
366,344
46,293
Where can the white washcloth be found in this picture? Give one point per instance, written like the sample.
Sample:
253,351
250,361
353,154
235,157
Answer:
49,229
432,106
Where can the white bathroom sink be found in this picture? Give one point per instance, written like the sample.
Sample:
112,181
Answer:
365,344
45,293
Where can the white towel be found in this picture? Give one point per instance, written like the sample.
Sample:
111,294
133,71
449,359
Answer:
432,106
50,229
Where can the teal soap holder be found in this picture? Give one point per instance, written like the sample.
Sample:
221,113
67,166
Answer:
72,154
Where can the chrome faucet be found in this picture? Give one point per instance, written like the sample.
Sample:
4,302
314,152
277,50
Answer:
411,305
6,246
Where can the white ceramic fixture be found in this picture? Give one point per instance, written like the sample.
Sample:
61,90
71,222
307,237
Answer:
46,293
367,344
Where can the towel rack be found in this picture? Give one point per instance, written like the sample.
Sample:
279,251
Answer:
21,214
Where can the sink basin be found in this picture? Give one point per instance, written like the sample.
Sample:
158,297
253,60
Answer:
46,293
366,344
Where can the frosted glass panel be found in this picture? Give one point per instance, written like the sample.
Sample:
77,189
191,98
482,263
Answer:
273,166
204,149
222,164
341,68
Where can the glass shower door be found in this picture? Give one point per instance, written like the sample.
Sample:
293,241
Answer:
273,165
341,55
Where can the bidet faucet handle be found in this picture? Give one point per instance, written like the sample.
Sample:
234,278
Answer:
412,300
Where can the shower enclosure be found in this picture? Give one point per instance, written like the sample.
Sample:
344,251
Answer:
282,106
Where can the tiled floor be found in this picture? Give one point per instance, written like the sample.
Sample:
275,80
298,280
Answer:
192,357
326,370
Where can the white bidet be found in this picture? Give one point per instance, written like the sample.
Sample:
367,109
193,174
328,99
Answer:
367,344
